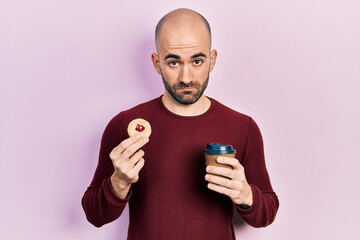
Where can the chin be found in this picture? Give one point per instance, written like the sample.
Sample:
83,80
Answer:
188,99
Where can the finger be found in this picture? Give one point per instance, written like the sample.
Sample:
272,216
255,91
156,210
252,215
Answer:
125,144
133,174
223,190
139,165
133,148
136,157
229,161
221,171
128,164
221,181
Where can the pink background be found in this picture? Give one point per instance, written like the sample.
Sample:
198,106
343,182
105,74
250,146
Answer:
67,67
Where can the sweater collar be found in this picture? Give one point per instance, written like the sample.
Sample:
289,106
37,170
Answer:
167,111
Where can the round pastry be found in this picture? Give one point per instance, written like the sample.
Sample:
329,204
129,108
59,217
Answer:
139,126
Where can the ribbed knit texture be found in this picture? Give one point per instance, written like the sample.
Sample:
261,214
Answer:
171,199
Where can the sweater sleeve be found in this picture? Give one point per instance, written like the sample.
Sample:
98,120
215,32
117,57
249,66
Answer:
100,203
265,202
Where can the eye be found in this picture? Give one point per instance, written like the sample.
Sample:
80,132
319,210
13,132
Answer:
173,63
197,62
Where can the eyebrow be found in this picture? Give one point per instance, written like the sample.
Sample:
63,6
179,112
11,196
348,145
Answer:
178,57
171,56
199,55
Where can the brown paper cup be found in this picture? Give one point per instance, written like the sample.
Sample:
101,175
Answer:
210,160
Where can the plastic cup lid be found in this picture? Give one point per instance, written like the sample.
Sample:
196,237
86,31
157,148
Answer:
218,148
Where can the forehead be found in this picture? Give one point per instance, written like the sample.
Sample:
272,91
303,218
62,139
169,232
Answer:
183,40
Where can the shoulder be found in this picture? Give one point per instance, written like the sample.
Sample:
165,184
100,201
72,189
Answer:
230,115
141,110
143,106
229,112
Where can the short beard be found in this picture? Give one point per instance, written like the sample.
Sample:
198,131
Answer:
179,98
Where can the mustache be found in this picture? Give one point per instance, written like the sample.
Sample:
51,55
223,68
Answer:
182,85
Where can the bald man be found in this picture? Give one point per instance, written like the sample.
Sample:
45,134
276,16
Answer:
171,194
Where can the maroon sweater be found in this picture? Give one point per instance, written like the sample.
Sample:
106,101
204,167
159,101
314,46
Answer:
171,199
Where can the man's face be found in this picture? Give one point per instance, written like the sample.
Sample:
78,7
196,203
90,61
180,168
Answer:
184,61
187,80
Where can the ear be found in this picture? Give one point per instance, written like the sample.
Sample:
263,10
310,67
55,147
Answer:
213,56
156,62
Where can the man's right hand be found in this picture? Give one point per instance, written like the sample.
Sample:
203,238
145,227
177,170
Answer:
127,160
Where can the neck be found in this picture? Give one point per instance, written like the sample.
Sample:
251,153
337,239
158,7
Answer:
198,108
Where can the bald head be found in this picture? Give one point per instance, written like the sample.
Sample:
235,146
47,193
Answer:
183,20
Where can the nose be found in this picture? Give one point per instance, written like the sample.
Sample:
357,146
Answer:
185,76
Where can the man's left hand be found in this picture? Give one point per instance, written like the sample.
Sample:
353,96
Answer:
230,182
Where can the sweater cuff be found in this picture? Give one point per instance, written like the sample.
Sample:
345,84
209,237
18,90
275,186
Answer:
254,206
111,196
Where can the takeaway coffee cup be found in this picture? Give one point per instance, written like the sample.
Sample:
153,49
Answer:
214,150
